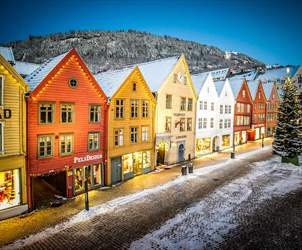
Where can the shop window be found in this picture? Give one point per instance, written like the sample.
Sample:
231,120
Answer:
79,179
226,140
182,124
212,123
134,108
97,174
200,105
127,163
66,144
9,188
168,124
67,113
95,113
200,123
46,113
119,108
93,141
1,137
203,145
168,101
145,134
45,146
134,135
189,124
146,159
118,137
1,90
183,104
145,108
190,104
212,106
221,109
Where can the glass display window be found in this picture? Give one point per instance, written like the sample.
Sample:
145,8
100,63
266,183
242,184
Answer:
127,163
79,179
137,162
10,188
203,145
226,139
97,174
146,159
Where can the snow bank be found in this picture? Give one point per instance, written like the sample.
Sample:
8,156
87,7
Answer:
205,224
117,203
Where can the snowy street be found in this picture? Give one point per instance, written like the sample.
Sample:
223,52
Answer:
216,207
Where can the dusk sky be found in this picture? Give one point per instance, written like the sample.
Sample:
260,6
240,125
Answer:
266,30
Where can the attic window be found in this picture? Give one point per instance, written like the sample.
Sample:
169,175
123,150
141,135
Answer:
134,86
243,93
73,83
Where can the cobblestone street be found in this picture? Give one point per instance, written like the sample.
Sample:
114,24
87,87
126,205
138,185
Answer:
121,224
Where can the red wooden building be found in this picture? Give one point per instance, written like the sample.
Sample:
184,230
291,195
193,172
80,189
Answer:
257,130
66,117
242,110
272,105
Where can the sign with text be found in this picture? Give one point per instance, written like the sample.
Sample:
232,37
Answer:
87,158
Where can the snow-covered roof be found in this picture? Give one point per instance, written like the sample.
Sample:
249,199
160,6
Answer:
267,87
219,86
199,80
251,75
218,74
236,85
25,68
154,72
253,86
8,54
41,72
277,73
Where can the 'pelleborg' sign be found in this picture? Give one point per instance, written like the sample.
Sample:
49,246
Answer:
87,158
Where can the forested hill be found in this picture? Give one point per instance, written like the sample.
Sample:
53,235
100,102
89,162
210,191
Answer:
103,50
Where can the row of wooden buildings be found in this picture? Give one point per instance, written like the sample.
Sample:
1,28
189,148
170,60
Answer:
61,124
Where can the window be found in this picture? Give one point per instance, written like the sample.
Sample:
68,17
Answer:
189,124
66,144
243,93
168,124
200,105
205,122
205,105
145,108
182,124
134,135
1,90
1,137
220,123
199,123
134,86
134,108
168,101
183,104
212,123
221,109
300,79
46,113
119,108
190,104
226,109
229,123
93,141
225,123
45,146
95,113
185,80
73,83
212,106
66,113
248,108
118,137
145,134
174,78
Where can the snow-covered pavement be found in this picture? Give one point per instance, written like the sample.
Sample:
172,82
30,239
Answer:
205,224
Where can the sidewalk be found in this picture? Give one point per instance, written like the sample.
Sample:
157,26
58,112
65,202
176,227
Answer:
18,227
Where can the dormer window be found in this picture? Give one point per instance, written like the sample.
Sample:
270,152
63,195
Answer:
73,83
134,86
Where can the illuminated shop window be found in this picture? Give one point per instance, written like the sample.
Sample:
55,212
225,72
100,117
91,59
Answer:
79,179
226,140
97,174
146,159
67,113
93,141
46,113
95,113
203,145
9,188
127,163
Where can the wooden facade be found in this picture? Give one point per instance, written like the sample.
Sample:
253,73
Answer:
13,196
272,106
67,114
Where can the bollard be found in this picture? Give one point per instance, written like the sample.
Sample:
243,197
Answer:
190,167
232,155
184,170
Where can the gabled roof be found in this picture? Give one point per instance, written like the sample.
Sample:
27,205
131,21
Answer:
199,80
277,73
219,86
236,86
25,68
41,72
8,54
154,72
253,86
267,87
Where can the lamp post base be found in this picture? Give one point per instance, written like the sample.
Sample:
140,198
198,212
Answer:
232,155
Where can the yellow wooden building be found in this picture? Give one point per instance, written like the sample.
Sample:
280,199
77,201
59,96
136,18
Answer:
13,198
130,124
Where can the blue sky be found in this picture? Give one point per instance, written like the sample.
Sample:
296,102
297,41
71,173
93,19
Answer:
267,30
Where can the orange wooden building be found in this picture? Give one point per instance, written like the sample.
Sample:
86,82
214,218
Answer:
66,117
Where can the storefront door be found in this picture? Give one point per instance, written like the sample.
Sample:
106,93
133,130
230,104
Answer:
161,153
116,170
181,153
215,146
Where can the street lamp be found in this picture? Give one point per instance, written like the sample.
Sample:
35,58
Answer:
86,189
262,137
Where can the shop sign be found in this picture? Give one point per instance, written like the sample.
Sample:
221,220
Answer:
181,137
7,114
87,158
179,114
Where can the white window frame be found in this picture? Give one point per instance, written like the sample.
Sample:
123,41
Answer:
145,133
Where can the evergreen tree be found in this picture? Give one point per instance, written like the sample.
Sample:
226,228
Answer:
288,137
